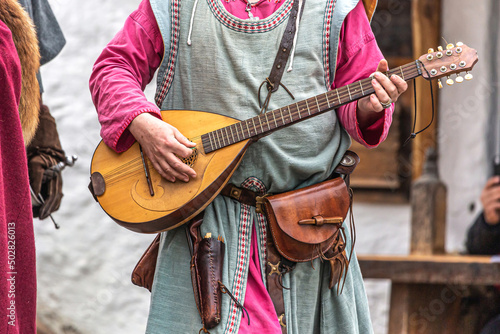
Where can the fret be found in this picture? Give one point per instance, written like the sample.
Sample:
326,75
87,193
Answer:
308,110
349,91
222,135
402,74
338,96
327,100
361,86
298,110
232,134
267,122
274,116
217,141
291,118
248,129
227,135
210,140
260,121
242,131
237,132
316,98
254,127
282,117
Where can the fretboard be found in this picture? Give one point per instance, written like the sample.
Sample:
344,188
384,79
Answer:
265,123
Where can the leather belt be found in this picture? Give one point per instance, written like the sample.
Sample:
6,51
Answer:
242,195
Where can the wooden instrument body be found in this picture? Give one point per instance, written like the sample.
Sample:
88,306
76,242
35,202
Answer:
127,199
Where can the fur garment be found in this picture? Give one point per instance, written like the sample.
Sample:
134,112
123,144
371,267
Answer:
24,36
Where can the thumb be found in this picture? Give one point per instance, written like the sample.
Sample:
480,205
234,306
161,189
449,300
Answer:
383,66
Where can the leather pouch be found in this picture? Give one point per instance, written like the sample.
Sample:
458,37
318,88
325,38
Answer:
306,223
206,276
144,271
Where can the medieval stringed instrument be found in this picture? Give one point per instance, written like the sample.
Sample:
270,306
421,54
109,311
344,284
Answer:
134,195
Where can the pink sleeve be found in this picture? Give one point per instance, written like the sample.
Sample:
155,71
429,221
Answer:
121,73
358,57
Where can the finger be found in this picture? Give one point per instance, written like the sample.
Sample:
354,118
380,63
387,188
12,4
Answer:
400,84
388,86
180,149
380,92
375,103
383,66
492,182
171,168
182,139
181,170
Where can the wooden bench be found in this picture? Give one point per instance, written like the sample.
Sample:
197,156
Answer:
426,290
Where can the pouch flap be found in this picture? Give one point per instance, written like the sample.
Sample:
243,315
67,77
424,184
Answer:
320,209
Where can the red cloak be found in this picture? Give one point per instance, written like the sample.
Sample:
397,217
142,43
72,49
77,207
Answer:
17,248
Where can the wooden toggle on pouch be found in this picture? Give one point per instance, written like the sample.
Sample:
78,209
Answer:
306,223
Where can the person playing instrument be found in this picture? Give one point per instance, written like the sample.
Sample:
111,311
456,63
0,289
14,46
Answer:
483,238
213,55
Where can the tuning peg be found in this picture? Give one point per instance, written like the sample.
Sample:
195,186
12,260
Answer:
450,46
460,44
440,84
459,79
449,81
431,50
440,48
468,76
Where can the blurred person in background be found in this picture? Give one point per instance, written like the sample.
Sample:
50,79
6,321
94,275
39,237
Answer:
483,238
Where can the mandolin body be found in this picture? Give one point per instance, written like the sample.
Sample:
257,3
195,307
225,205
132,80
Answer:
120,185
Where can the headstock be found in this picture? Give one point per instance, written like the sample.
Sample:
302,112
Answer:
444,63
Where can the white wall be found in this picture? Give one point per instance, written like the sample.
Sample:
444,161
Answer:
84,268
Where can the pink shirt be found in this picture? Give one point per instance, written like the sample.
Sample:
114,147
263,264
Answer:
129,61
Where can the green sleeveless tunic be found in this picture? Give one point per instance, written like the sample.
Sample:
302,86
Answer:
220,71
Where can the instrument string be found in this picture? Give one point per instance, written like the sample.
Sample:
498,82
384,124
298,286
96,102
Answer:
323,101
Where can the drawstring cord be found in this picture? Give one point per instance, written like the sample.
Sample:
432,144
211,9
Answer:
191,23
226,291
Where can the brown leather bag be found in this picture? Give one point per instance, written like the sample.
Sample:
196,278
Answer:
144,272
306,223
206,274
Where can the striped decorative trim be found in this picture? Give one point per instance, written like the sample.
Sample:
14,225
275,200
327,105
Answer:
249,26
243,254
326,40
258,186
168,77
263,239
